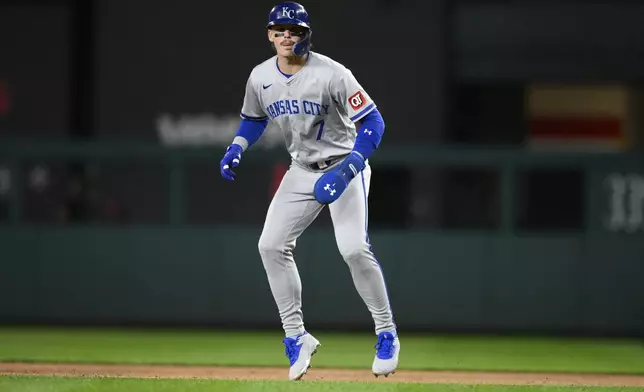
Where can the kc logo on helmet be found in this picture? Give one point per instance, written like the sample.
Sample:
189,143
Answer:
288,13
357,100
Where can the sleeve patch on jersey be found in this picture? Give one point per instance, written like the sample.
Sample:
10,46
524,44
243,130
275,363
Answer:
357,100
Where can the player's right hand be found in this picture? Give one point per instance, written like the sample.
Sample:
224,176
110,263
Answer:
231,159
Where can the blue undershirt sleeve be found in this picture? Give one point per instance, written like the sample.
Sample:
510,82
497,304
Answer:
370,133
249,132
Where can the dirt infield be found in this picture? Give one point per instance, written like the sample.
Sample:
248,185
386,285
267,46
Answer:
265,373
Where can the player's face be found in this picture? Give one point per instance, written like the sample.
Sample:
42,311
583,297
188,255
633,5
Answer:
284,37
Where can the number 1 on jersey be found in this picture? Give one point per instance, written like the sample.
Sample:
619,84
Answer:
320,130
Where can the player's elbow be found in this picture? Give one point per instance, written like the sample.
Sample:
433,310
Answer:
375,121
378,117
370,134
381,122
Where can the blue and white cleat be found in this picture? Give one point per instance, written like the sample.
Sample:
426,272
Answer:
387,350
299,351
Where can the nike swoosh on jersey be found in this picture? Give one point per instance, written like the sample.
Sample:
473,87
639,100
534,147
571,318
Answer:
265,86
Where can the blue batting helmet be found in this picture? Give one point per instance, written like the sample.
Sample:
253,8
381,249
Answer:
290,12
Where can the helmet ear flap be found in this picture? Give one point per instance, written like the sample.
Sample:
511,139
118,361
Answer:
301,48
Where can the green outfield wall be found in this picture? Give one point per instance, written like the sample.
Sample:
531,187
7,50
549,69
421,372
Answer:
214,276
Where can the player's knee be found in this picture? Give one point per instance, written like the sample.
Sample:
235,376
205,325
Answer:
354,252
265,246
270,248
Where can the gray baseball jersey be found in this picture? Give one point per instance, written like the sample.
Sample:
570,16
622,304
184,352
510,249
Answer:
316,108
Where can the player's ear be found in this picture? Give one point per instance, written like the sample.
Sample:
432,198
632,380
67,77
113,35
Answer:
270,35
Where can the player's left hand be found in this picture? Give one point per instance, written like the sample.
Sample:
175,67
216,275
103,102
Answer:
330,186
231,159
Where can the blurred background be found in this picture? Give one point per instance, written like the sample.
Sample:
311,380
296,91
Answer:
507,195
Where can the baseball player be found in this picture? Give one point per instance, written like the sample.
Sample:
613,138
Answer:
316,102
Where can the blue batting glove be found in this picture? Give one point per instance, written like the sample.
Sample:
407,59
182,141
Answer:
329,187
332,184
231,159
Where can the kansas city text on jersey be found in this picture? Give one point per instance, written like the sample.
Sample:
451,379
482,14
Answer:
294,106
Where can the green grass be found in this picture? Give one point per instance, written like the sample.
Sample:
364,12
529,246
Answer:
419,352
68,384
